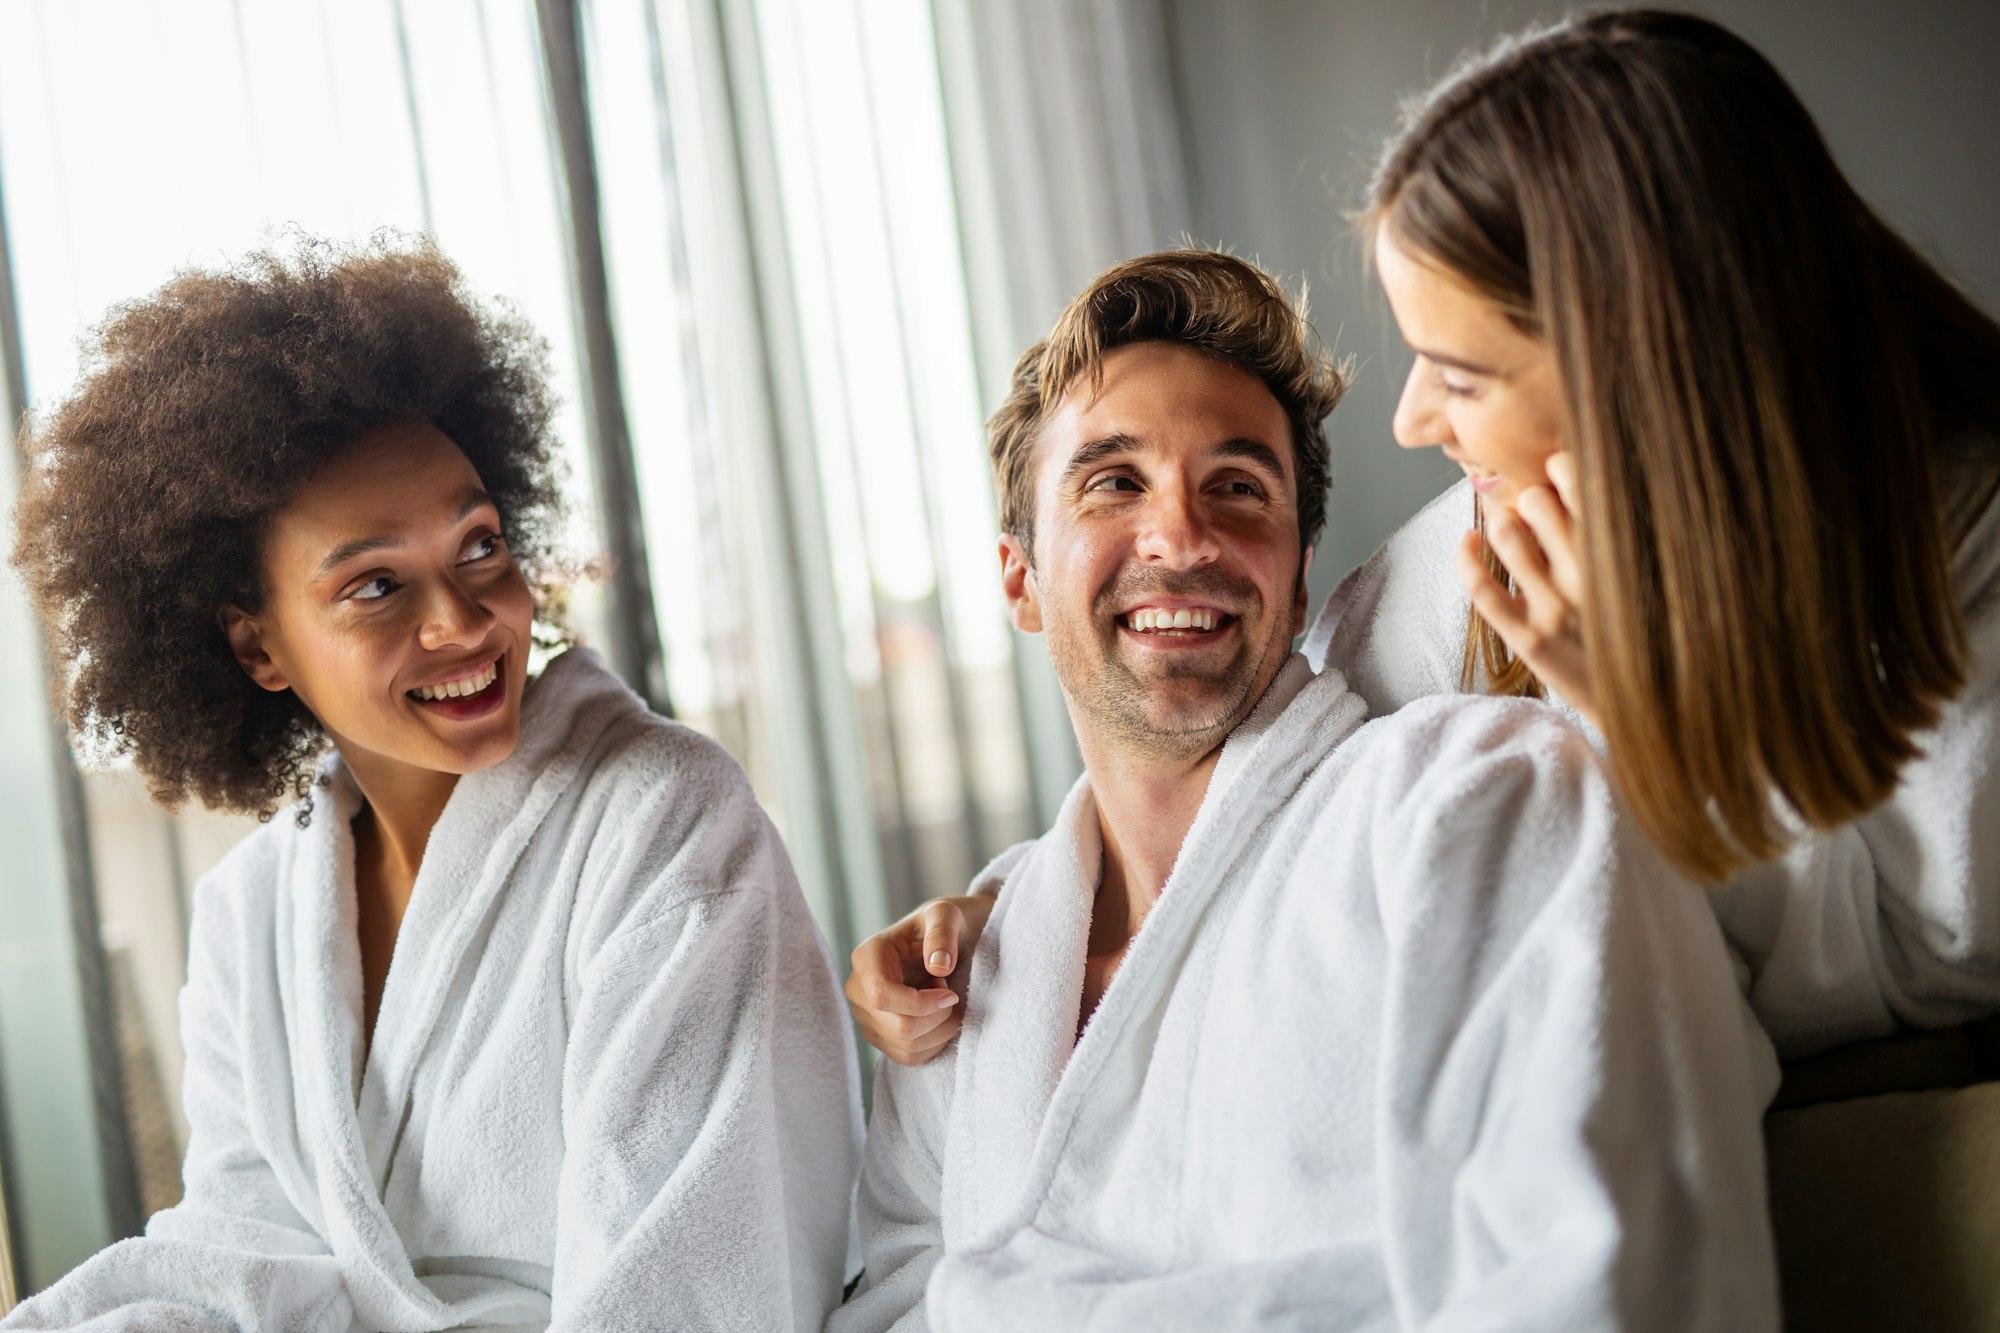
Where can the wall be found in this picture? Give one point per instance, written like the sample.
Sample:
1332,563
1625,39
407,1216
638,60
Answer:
1284,104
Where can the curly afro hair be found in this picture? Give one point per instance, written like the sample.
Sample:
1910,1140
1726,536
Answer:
201,410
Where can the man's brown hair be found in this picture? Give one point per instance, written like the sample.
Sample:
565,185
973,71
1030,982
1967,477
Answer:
1204,299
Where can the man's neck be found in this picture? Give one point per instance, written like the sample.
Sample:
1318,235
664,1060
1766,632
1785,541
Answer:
1145,805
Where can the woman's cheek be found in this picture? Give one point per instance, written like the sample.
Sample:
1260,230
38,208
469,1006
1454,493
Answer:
516,602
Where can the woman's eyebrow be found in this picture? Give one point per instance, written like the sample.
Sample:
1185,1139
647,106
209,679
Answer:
346,551
1456,363
472,498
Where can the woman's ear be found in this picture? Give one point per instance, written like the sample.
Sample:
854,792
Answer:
246,643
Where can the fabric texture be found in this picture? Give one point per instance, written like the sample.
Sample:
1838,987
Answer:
1889,921
611,1084
1421,1033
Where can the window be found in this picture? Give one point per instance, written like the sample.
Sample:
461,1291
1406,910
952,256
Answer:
785,307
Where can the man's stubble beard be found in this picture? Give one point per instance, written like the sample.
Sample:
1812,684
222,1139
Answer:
1100,685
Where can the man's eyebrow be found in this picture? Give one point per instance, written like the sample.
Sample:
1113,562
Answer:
470,499
1252,451
1456,363
1090,455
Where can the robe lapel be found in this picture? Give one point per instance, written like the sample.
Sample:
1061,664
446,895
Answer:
348,1117
1019,1037
1297,723
478,842
325,988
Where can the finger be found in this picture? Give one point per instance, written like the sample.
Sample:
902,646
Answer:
1515,544
1490,598
876,963
925,1048
939,1037
1561,468
1541,510
943,925
904,1029
872,986
870,1036
880,964
901,1037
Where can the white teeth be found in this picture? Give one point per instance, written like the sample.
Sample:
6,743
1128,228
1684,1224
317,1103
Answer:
1150,620
457,689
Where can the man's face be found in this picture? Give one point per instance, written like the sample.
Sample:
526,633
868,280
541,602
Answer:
1166,568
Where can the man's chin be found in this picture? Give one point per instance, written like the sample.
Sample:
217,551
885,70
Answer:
1180,717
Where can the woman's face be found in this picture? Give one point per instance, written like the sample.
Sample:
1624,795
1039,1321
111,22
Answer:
1481,390
394,609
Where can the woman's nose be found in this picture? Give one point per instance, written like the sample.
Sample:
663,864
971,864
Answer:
452,618
1420,422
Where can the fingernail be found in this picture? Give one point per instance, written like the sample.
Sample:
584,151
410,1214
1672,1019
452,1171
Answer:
941,959
949,999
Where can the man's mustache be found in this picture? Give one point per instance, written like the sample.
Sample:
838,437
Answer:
1222,589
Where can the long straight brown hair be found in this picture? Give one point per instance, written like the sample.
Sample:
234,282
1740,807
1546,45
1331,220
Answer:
1758,377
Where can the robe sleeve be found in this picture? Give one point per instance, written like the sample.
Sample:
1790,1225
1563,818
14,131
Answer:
710,1114
1573,1084
234,1254
901,1205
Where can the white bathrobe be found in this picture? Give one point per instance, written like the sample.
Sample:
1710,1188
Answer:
610,1086
1421,1033
1891,920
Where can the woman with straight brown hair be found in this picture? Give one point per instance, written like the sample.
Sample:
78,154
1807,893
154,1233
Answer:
1732,450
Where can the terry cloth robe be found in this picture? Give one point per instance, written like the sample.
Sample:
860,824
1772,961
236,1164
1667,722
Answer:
1421,1033
1892,920
610,1086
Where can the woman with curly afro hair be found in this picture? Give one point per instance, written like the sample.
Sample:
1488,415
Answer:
521,1019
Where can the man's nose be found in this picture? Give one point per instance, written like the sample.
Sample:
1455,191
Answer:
1175,534
1420,421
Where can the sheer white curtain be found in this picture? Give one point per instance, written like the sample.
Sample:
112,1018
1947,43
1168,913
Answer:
138,137
859,226
826,227
1066,155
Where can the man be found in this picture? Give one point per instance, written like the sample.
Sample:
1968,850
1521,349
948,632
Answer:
1293,1019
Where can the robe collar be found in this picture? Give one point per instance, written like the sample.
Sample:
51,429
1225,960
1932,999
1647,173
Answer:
1020,1077
351,1115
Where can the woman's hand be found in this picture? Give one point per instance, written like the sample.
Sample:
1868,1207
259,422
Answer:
1535,539
907,1024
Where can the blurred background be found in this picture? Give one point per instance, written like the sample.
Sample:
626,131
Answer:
785,253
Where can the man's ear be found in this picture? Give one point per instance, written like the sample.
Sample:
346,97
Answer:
246,643
1301,599
1017,580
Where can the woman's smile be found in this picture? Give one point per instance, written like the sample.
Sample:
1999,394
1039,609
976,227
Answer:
467,694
